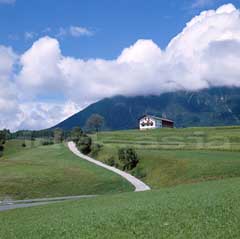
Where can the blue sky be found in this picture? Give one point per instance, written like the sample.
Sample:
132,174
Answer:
58,56
115,24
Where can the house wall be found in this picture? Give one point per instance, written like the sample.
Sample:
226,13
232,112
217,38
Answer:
149,123
167,124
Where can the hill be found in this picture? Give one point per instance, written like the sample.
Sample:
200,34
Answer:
194,174
206,210
52,171
170,157
209,107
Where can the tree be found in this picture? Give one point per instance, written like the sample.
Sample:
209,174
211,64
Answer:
76,134
58,135
32,139
95,122
2,141
84,144
2,137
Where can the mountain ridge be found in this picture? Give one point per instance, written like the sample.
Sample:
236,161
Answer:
208,107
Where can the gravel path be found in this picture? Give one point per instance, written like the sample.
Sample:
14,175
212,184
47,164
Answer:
139,185
22,205
7,205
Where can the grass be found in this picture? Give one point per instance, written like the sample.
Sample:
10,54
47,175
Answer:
169,157
205,210
194,173
51,171
15,146
207,138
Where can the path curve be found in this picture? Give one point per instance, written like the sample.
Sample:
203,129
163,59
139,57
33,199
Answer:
138,184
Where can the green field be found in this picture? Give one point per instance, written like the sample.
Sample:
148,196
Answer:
194,173
206,210
170,157
51,171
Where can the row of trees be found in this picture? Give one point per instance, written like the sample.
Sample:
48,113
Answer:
50,136
94,123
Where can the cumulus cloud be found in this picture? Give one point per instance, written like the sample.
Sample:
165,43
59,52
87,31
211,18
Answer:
40,70
206,53
7,61
8,92
41,115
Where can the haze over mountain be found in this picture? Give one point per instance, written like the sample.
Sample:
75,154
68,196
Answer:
209,107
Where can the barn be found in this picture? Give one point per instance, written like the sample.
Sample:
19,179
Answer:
153,122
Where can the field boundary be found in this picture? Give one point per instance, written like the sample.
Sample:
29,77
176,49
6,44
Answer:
138,184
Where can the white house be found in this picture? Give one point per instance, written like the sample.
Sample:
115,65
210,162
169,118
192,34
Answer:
153,122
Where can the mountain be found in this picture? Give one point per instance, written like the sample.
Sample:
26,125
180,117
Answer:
208,107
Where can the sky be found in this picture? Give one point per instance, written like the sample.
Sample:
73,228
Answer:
57,57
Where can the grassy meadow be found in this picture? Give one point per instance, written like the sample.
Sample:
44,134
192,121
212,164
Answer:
170,157
38,171
194,174
203,210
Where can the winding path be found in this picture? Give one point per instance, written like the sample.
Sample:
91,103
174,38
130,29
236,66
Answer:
138,184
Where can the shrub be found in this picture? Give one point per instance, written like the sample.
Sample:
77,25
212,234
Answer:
128,157
139,172
1,150
47,142
84,144
110,161
95,148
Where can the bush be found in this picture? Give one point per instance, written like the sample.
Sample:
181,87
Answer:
139,173
84,144
24,145
95,148
128,157
1,150
47,142
110,161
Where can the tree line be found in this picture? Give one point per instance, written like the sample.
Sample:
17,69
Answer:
56,135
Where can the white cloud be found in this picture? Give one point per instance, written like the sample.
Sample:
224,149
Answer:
40,69
77,31
42,115
7,60
74,31
206,53
7,1
8,92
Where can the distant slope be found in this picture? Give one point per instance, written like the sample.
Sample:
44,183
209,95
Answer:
169,157
210,107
